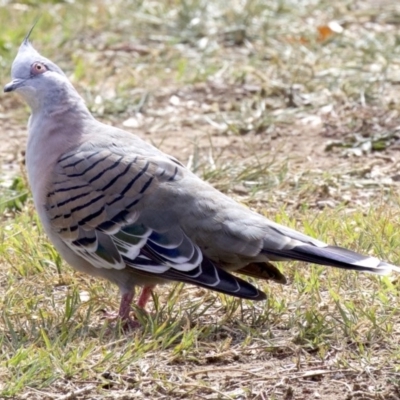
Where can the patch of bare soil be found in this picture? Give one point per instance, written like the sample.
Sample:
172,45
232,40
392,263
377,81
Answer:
12,138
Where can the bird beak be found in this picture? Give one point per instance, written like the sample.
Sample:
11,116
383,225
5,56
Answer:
14,84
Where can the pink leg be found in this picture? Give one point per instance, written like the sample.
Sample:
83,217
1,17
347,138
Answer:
145,296
123,313
125,306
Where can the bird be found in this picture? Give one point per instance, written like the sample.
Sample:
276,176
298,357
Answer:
118,208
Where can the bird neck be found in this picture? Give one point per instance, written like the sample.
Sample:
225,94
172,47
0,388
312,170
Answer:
60,102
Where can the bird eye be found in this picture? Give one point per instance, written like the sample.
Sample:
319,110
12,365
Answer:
38,68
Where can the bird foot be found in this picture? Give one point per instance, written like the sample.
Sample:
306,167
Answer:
127,323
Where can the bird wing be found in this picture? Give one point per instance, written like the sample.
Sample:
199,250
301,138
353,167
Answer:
96,204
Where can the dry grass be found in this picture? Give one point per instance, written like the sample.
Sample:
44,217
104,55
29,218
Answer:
260,98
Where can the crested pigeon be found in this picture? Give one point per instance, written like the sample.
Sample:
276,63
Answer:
118,208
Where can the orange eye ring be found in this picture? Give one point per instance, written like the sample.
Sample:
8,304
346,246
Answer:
38,68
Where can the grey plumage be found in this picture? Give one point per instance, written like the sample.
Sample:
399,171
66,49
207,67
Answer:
117,207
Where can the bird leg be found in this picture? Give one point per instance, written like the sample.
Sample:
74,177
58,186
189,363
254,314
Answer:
145,296
125,308
127,322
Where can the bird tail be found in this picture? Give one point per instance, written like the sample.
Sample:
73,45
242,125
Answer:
335,257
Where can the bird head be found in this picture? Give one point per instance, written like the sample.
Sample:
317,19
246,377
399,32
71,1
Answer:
35,77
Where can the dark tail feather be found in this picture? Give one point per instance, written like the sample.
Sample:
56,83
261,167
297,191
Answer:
335,257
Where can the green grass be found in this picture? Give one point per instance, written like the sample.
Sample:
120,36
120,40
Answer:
251,98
